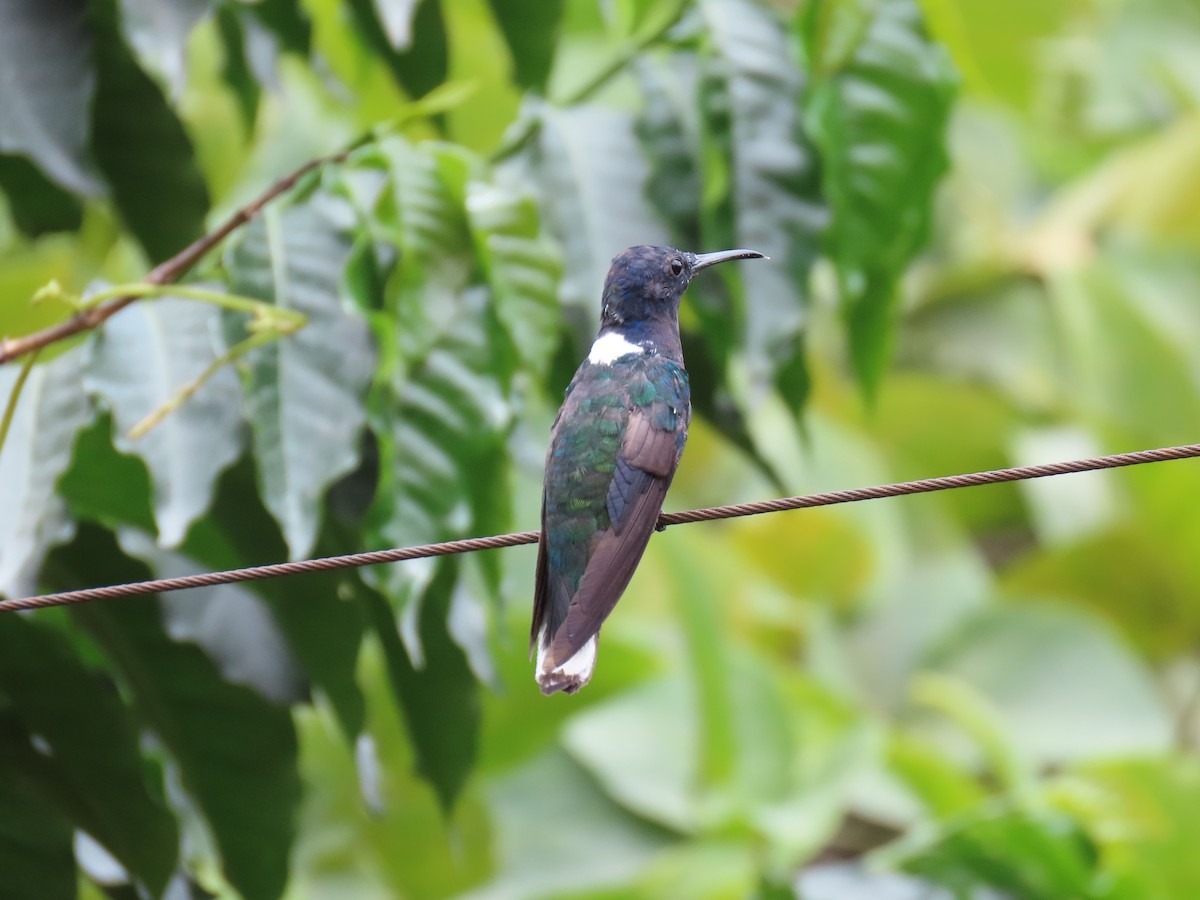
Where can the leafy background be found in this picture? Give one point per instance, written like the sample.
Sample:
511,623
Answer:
985,252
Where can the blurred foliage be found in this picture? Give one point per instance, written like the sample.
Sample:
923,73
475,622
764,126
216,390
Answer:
985,252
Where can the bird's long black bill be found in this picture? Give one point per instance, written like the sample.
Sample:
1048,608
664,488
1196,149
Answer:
704,260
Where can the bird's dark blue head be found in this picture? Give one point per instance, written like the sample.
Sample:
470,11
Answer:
645,284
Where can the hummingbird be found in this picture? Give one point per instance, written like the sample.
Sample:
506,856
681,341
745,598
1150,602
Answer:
613,451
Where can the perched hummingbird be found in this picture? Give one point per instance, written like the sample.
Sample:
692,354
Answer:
613,452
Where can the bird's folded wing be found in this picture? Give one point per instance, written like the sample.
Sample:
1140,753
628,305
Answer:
642,475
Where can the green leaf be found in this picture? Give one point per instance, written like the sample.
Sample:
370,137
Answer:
1143,814
235,752
94,745
441,433
304,393
51,411
36,204
323,628
105,486
161,197
1041,855
522,269
997,49
877,108
139,360
46,88
773,193
35,839
531,31
440,698
442,416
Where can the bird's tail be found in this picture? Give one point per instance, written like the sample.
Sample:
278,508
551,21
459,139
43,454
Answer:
569,675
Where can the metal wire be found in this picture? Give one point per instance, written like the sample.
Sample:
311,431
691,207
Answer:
470,545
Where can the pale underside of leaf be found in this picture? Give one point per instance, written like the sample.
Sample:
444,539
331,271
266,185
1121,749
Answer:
305,393
139,360
51,411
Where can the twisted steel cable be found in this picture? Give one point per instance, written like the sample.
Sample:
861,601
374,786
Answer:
736,510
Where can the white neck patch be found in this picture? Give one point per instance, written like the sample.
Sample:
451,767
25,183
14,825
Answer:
610,347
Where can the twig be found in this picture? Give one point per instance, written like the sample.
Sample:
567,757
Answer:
166,272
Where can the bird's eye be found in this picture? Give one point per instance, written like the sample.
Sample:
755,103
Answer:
677,266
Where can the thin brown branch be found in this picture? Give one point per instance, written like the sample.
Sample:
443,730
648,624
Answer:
167,272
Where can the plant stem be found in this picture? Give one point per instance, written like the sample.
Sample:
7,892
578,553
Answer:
10,409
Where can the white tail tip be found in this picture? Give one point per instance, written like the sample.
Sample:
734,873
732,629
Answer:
568,676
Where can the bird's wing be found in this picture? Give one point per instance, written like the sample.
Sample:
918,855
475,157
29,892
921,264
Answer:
645,466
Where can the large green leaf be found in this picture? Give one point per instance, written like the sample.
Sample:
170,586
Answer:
46,87
94,744
590,180
440,697
161,196
442,416
304,393
139,360
522,268
878,107
235,752
773,194
51,411
531,30
441,434
35,838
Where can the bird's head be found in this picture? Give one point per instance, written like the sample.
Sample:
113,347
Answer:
645,283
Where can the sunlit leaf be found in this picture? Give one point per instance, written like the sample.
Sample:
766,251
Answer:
33,518
877,107
304,394
1127,805
139,360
